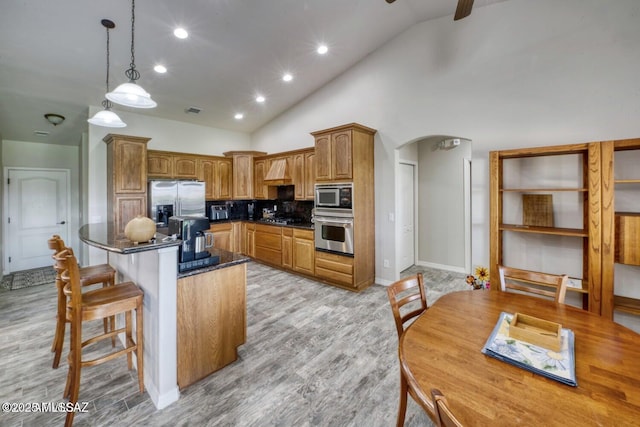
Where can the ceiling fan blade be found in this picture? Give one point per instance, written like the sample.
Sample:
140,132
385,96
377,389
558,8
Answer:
463,10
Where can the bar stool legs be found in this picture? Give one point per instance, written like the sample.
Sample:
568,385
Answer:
98,304
91,275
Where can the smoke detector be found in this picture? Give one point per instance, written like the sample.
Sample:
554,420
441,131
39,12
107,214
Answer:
448,144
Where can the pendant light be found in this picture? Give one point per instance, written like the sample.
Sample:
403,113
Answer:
130,94
106,117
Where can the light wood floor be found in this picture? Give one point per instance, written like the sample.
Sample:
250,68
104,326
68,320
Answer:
315,356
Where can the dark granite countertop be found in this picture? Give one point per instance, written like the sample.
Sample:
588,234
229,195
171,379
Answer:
227,259
301,225
102,236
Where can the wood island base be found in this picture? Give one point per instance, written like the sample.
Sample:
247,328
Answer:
211,321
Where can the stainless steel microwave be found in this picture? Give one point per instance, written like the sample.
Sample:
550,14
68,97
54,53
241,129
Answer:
334,195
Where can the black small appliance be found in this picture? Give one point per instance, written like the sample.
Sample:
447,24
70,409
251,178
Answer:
196,239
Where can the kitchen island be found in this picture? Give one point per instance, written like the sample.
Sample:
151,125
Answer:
172,300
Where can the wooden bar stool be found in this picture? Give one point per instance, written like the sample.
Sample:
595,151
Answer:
91,275
98,304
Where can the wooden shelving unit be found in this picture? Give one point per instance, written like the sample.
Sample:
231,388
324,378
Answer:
585,184
621,229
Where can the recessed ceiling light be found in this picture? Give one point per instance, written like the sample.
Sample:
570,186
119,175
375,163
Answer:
238,116
180,33
260,98
160,69
287,77
322,49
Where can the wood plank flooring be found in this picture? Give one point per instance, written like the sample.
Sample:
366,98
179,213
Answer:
315,356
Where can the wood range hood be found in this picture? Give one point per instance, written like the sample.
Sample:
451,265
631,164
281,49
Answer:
278,173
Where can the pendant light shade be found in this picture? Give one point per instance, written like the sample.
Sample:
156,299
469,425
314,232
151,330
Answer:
106,117
131,94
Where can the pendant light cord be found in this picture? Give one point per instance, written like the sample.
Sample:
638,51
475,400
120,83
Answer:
106,104
132,73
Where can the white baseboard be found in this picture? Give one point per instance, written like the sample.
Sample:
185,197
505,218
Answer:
452,268
383,282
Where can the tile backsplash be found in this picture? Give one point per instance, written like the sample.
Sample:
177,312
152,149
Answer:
239,209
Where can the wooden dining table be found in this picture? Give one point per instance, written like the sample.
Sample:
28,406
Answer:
442,350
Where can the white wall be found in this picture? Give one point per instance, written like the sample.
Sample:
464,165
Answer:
165,134
39,155
514,74
441,238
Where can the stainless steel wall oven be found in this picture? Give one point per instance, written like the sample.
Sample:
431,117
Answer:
334,230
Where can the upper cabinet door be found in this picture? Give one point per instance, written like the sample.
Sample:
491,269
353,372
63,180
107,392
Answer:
130,171
310,175
207,173
159,165
185,167
224,179
323,157
341,157
298,176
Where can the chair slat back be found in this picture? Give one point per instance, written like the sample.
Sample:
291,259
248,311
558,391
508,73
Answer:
399,297
553,286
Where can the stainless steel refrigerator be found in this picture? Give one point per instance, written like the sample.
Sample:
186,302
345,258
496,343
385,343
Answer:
180,198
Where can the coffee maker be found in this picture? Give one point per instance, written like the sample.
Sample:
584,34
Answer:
196,240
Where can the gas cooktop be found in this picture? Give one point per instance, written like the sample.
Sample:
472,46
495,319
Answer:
281,221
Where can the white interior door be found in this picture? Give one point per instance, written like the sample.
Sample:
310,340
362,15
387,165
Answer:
38,207
406,216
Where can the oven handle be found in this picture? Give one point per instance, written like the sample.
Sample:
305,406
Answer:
335,221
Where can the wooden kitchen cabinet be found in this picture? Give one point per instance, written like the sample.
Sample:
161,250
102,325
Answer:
303,251
260,189
222,236
126,179
309,175
346,154
338,149
287,247
268,244
236,236
185,166
247,243
336,268
216,174
159,164
167,164
243,173
304,174
212,322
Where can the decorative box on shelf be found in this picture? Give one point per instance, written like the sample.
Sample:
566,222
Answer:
542,333
627,233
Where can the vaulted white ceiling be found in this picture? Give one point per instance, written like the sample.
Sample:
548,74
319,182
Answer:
52,56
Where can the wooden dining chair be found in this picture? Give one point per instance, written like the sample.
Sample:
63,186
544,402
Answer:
101,303
95,274
553,286
403,292
444,416
408,291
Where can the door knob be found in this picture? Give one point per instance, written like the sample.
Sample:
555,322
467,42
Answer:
61,222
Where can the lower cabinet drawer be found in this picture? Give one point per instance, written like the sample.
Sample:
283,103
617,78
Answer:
270,256
333,276
335,268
